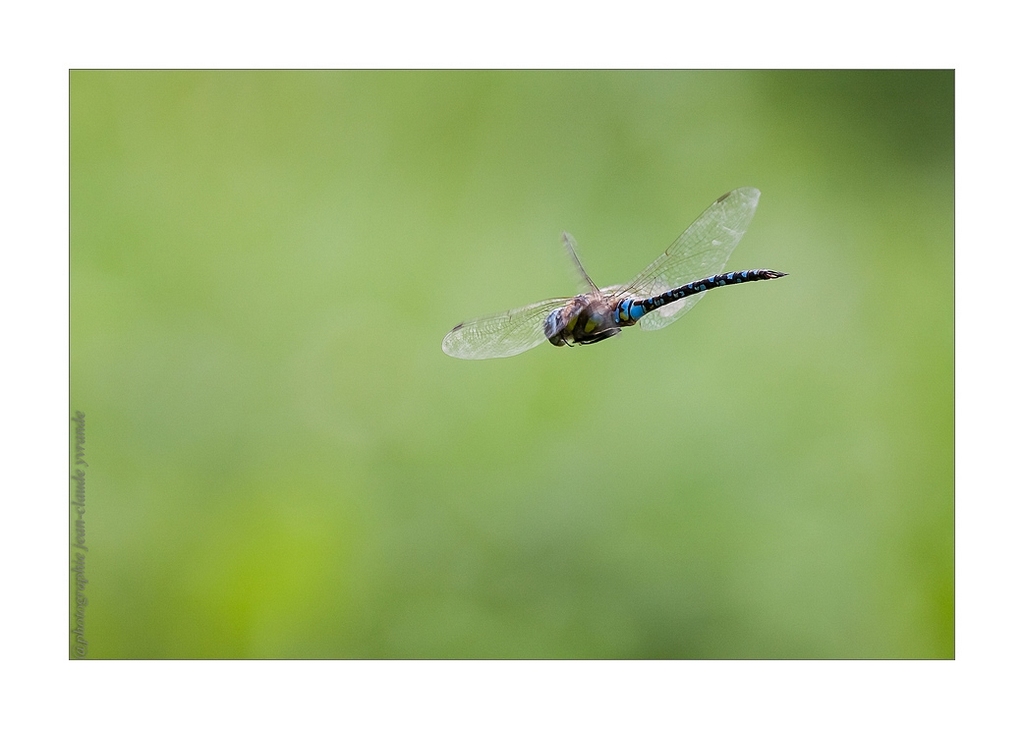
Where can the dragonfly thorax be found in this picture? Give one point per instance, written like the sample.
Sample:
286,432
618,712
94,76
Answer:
586,319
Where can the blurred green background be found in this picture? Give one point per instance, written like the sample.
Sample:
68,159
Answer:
283,463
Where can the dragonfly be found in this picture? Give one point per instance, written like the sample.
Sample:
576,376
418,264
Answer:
660,294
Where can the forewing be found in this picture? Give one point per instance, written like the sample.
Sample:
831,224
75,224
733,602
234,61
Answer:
701,251
501,335
587,284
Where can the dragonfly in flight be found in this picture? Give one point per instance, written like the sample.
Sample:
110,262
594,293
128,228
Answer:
662,293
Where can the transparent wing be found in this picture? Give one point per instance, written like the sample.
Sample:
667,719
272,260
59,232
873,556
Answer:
701,251
587,284
501,335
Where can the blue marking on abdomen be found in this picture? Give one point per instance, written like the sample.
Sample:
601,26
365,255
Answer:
636,310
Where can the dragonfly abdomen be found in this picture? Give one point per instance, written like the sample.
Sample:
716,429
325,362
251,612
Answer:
629,311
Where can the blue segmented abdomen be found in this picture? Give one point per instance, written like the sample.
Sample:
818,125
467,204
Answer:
629,311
